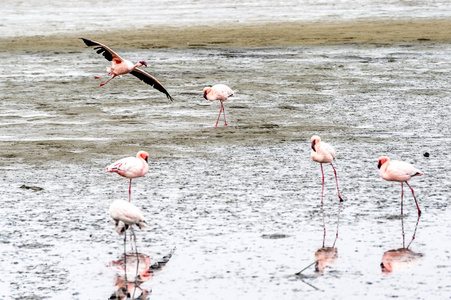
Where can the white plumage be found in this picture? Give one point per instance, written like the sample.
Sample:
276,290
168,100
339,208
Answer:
128,213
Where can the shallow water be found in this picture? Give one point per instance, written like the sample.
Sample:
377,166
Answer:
241,203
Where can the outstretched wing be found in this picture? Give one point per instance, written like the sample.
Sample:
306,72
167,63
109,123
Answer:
149,79
104,50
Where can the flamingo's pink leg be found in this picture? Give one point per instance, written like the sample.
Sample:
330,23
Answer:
220,110
402,221
402,196
418,207
130,191
97,77
336,180
322,185
225,122
102,84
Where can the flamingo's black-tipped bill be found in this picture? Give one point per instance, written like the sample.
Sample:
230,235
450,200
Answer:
313,146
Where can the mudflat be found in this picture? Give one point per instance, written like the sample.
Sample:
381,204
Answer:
369,88
250,35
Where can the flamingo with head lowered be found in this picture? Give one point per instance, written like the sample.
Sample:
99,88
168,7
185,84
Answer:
395,170
324,153
219,92
128,213
122,66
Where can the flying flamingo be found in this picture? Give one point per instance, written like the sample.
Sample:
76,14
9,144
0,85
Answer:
131,167
219,92
395,170
122,66
324,153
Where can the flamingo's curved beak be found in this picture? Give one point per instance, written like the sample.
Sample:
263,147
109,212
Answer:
313,146
386,267
379,165
142,62
205,95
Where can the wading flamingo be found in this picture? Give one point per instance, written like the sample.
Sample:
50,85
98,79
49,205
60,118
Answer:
219,92
122,66
127,213
395,170
131,167
324,153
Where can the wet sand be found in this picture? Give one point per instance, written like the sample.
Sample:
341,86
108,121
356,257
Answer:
256,35
261,127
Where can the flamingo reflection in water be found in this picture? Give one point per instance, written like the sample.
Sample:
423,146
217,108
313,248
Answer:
325,257
132,271
402,258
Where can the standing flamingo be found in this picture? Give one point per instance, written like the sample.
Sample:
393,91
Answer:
127,213
131,167
395,170
324,153
122,66
219,92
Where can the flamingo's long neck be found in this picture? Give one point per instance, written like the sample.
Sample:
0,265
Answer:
383,170
138,64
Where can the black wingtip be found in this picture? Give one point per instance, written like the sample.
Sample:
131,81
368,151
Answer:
88,43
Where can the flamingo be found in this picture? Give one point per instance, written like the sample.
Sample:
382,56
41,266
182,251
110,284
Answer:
122,66
131,167
324,153
219,92
128,214
395,170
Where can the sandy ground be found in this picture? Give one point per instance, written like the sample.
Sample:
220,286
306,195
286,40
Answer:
258,35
